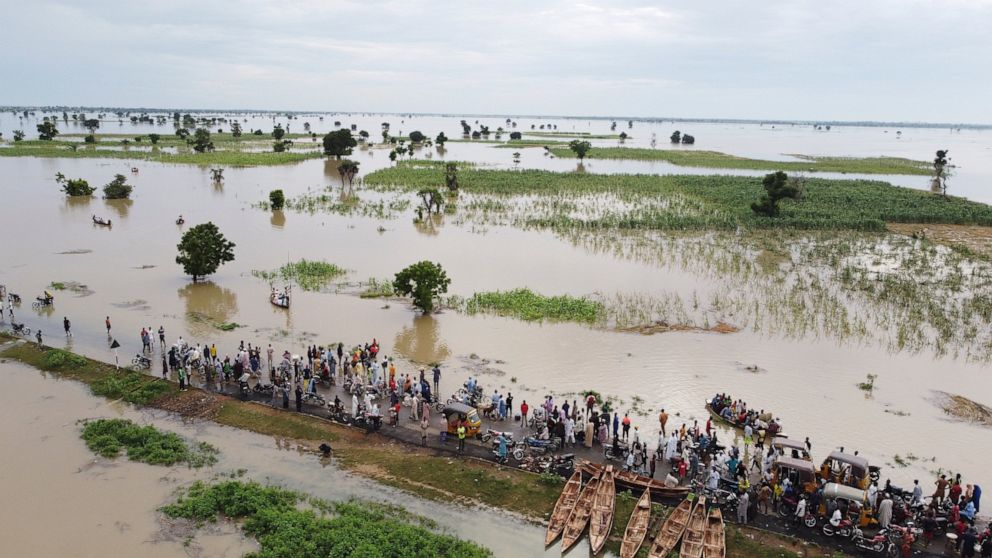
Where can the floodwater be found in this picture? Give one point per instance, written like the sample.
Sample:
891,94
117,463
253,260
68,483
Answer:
810,383
50,480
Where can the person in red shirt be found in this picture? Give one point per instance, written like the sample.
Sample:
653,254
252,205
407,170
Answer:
523,411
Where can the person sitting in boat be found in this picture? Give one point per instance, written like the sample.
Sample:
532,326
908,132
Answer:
180,220
726,414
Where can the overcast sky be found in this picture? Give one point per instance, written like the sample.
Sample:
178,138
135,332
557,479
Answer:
792,59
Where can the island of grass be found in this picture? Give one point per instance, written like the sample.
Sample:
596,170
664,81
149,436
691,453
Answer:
717,160
147,444
285,523
528,305
310,275
682,202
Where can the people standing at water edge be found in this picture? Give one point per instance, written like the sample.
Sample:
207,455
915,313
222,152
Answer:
66,325
107,323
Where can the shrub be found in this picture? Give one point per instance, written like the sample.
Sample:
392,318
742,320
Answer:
277,200
74,186
118,188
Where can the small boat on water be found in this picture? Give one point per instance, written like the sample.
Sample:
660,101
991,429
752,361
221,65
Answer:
101,221
577,520
714,541
671,530
637,526
280,299
603,506
692,540
637,483
563,508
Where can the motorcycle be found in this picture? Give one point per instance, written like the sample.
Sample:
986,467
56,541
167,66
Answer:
21,329
491,434
313,398
878,543
14,298
726,499
42,301
337,413
541,446
264,390
141,361
244,391
842,529
366,420
618,451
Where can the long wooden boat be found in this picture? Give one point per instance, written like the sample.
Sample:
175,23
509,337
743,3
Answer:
563,508
671,530
635,482
577,520
637,526
603,506
692,540
719,419
714,541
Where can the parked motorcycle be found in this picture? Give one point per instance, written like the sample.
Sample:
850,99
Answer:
617,451
878,543
842,529
264,390
313,398
21,329
141,361
540,446
491,434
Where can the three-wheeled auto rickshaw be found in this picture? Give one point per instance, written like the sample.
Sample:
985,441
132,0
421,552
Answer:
790,447
853,499
847,469
456,413
801,473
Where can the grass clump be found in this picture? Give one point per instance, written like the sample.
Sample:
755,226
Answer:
273,516
717,160
131,386
58,359
147,444
378,288
528,305
309,275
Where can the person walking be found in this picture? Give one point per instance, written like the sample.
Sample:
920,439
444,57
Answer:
437,377
161,336
182,378
38,336
165,365
107,323
67,326
662,421
424,424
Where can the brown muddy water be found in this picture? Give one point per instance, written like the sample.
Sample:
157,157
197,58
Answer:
809,382
53,484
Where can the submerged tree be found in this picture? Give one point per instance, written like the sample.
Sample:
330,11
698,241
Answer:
74,186
348,169
417,136
339,143
154,138
217,175
47,131
201,141
451,177
676,137
423,281
18,135
278,132
203,249
117,189
432,198
777,187
277,200
940,172
580,148
440,139
236,129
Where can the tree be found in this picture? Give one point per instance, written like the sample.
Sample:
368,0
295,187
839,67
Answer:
440,139
940,173
777,187
47,131
201,141
580,148
676,137
89,139
688,140
182,133
18,135
74,186
339,143
154,138
515,135
203,249
451,177
91,124
277,200
236,129
417,136
392,155
623,136
278,132
423,281
118,188
348,169
432,198
364,135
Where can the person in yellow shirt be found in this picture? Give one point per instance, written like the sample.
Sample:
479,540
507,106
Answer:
461,437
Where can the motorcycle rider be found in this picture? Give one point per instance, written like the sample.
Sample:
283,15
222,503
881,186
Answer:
801,509
836,518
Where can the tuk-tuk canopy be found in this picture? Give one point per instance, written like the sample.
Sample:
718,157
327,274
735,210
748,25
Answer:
459,408
800,465
788,443
833,490
858,464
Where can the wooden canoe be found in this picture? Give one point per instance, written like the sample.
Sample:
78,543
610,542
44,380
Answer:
577,520
563,508
714,543
637,483
692,540
637,526
720,420
671,530
603,506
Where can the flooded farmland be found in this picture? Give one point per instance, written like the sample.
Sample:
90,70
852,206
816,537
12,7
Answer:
806,373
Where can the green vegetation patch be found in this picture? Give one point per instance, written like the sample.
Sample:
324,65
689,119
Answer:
310,275
273,516
528,305
680,202
147,444
219,157
131,386
378,288
717,160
